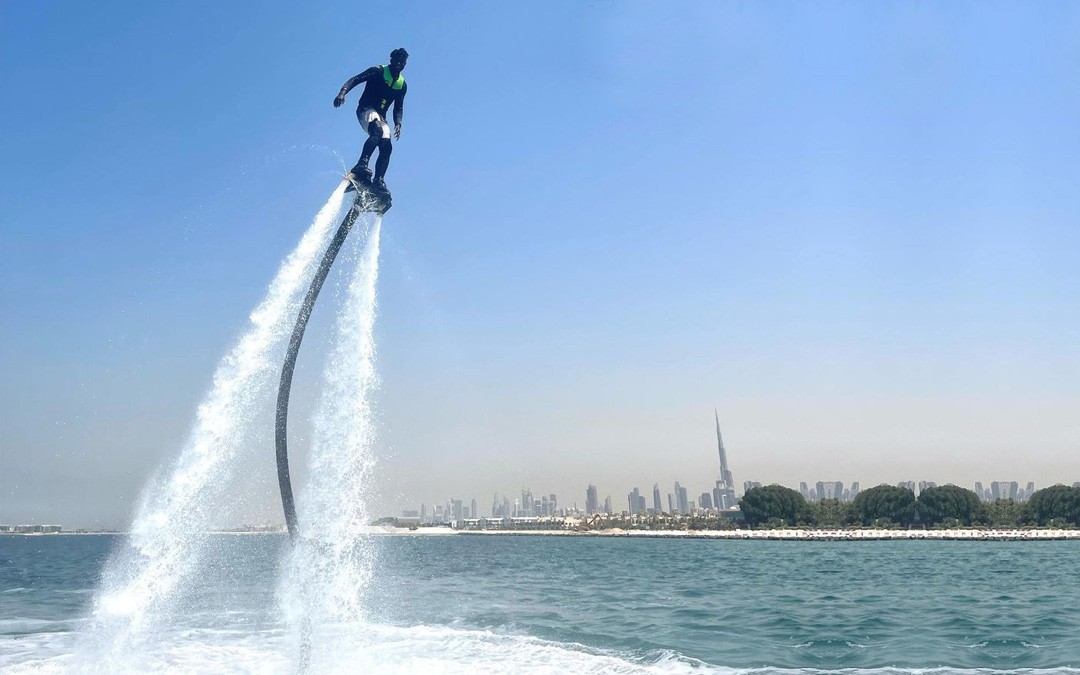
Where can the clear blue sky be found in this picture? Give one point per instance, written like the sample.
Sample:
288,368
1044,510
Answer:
854,228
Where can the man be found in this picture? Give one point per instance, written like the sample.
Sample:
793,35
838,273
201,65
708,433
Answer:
384,86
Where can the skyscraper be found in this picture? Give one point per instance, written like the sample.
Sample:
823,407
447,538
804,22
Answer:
1005,489
829,490
682,499
592,501
726,486
657,506
981,492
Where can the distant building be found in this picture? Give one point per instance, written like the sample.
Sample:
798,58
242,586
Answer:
805,490
592,503
635,502
926,485
705,500
854,491
829,490
726,484
607,504
907,485
983,494
749,485
657,506
1004,489
682,499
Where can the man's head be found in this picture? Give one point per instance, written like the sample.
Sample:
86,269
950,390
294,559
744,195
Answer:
398,57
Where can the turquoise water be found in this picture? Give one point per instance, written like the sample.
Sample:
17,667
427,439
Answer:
554,604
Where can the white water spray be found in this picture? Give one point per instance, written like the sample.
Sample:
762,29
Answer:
143,581
325,578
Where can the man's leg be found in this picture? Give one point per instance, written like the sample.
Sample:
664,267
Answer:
385,149
373,125
361,169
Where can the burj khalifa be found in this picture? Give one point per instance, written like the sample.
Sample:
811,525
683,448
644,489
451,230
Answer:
724,493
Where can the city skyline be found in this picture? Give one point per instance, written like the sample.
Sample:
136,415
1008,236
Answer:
548,505
682,499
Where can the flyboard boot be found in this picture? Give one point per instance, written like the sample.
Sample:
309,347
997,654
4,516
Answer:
359,177
371,195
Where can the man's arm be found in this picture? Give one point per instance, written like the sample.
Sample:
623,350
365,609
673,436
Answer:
399,110
353,81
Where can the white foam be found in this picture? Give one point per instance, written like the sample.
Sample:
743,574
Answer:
372,648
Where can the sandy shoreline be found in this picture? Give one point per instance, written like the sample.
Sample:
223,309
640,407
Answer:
966,534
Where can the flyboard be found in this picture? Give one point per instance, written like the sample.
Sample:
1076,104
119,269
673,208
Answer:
366,199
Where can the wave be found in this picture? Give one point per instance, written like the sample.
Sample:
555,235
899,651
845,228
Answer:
362,647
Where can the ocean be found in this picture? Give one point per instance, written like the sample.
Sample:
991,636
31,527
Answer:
536,604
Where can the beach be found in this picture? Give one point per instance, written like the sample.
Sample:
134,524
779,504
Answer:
793,534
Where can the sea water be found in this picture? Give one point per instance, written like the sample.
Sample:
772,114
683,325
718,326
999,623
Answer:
505,603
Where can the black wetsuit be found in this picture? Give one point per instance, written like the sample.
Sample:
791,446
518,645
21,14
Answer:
378,95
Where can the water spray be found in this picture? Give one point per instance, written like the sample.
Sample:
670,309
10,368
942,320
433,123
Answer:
365,201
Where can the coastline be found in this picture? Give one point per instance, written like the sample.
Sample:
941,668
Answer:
960,534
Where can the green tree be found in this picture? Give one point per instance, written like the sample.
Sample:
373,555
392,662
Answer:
774,503
884,504
948,503
1005,513
1058,503
831,513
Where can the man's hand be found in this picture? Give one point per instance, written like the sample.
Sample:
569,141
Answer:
338,100
397,131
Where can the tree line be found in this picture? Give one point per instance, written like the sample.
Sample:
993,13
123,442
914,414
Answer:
891,506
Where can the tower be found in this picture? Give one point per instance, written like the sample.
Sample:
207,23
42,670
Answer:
726,485
592,502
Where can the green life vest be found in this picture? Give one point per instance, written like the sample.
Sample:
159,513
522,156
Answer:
380,94
390,80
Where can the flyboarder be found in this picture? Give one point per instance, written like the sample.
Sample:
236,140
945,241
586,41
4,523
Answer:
384,86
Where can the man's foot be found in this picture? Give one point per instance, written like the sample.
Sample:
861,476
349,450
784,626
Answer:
380,185
359,175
